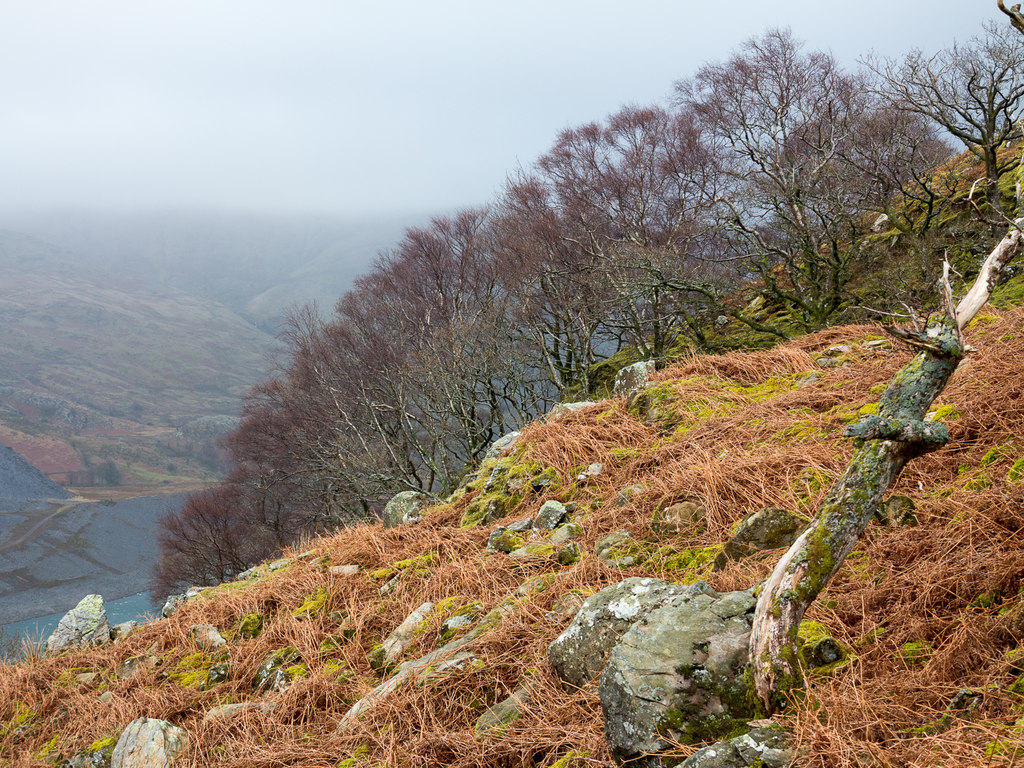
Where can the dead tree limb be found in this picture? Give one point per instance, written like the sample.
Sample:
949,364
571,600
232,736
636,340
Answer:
884,444
1015,15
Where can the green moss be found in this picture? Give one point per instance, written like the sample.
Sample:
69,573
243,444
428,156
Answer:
915,653
809,484
870,409
296,671
982,319
537,549
695,563
100,744
21,720
576,758
381,574
987,600
69,676
1009,294
947,412
799,432
48,749
422,561
250,626
194,670
1016,472
819,652
314,604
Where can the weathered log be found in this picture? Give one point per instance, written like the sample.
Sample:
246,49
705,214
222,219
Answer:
884,445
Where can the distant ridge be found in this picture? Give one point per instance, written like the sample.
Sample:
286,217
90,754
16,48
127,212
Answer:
21,482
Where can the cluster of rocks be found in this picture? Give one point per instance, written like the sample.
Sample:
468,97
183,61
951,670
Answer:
550,534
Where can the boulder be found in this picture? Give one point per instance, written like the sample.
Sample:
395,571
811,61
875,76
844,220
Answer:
84,625
633,378
550,516
759,748
579,654
768,528
677,677
405,508
149,743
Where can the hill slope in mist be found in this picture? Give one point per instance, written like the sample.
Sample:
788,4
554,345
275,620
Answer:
259,266
96,359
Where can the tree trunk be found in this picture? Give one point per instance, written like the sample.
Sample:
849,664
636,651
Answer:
884,444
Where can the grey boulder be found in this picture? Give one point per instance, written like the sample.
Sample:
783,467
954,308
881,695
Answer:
149,743
759,748
677,677
579,654
405,508
85,624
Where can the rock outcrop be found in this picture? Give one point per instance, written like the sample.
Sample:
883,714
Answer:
149,743
677,676
85,624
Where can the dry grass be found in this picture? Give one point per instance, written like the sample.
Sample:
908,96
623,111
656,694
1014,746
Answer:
952,581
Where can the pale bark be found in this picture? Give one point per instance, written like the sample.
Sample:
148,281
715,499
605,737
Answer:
884,444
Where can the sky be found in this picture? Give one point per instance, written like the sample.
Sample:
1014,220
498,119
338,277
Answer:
368,107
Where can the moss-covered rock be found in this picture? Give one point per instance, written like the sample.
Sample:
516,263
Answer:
250,626
819,652
765,529
678,677
272,673
313,605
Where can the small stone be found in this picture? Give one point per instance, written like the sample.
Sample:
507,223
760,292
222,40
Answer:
343,570
628,493
106,697
519,526
592,471
569,554
565,533
208,637
551,514
528,551
609,549
404,634
229,710
768,528
564,409
504,712
271,674
120,631
826,362
405,508
171,606
134,665
504,540
839,349
565,607
391,585
148,743
720,322
278,564
677,518
86,677
763,747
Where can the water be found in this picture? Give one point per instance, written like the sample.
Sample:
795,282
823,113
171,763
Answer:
134,607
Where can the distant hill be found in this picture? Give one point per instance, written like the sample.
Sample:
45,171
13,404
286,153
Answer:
111,367
259,266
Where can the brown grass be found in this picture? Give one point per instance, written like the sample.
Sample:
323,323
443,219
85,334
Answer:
917,584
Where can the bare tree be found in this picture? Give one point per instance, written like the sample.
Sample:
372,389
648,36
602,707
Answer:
791,206
974,91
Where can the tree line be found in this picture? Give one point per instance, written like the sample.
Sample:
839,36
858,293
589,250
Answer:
775,193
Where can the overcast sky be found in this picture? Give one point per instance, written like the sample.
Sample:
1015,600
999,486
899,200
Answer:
375,106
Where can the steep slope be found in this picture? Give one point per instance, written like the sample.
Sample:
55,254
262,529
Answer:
931,603
21,482
103,360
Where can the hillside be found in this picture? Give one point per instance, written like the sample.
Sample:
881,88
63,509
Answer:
258,266
100,368
931,604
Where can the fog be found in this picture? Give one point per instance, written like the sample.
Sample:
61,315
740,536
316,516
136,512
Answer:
358,107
